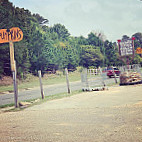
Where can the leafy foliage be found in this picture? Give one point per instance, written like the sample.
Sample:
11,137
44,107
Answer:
91,56
52,48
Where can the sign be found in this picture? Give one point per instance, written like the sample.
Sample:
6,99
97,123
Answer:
126,47
14,34
126,50
139,50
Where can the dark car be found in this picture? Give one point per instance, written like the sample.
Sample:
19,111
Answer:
111,71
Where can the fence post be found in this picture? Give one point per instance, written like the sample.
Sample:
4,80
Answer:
67,80
41,87
101,72
114,76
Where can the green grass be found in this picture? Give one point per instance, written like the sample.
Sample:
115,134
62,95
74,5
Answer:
47,98
59,96
6,88
48,80
7,105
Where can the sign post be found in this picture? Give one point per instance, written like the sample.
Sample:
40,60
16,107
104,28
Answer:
9,36
14,73
15,86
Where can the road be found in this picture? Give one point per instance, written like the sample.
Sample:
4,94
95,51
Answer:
112,115
48,90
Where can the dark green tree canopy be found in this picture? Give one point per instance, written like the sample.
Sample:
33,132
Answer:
52,48
40,19
61,31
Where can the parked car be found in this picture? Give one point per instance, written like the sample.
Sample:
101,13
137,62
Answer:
111,71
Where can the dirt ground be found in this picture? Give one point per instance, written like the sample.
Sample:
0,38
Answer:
113,115
6,80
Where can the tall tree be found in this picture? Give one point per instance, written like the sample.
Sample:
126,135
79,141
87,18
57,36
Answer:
91,56
138,39
61,31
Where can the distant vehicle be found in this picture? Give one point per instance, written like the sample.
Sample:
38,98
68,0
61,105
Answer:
111,71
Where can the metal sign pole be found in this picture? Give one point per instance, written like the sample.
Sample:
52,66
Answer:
13,69
15,87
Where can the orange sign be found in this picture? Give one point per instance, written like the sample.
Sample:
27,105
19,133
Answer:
14,34
139,50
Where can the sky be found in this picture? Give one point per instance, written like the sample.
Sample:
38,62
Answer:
113,18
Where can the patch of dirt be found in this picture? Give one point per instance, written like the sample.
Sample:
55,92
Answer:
138,103
6,80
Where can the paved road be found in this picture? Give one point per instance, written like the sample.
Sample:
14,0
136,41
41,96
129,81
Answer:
48,90
113,115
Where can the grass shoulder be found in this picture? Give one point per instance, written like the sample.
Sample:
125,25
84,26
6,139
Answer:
37,101
48,79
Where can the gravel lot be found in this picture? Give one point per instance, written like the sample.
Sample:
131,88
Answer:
113,115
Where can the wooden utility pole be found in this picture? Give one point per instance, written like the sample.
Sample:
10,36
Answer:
12,61
14,73
15,87
67,80
41,87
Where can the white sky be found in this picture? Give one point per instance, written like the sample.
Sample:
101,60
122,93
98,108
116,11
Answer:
114,18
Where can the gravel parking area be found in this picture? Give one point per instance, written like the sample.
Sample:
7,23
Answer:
113,115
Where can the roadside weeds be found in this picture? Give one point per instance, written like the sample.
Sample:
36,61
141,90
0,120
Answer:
37,101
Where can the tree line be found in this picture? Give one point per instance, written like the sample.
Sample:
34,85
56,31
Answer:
51,48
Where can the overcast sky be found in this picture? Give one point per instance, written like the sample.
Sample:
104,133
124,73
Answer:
114,18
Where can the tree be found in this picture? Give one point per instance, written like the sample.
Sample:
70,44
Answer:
111,53
93,39
82,40
137,59
91,56
53,48
22,58
137,43
41,21
4,60
125,37
61,31
138,40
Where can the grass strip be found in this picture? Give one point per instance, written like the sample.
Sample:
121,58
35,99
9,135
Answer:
49,80
47,98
